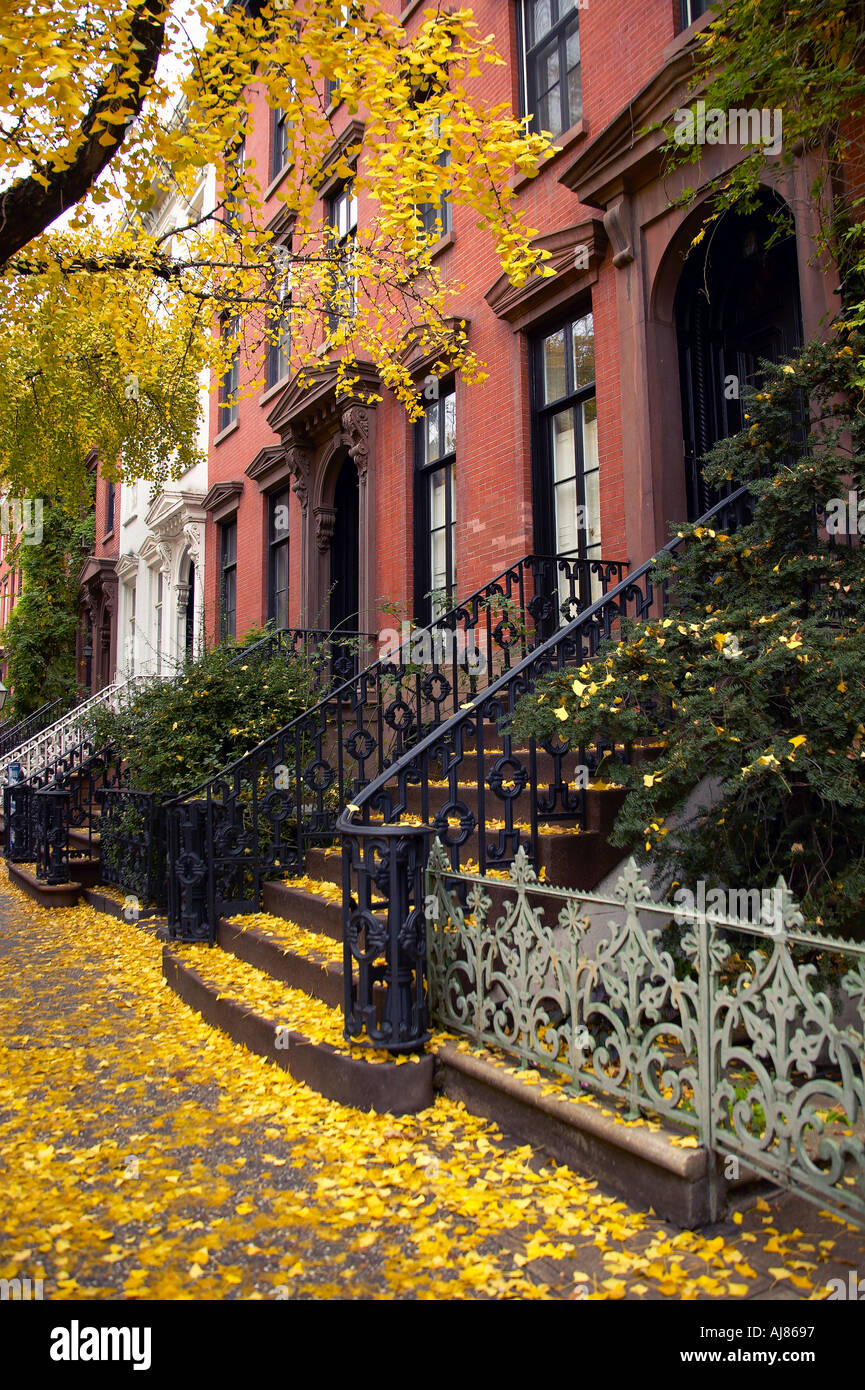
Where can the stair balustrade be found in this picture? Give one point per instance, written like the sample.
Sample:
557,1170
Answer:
257,819
515,793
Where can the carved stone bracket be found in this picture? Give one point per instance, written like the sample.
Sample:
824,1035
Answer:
165,558
182,598
325,520
616,225
298,455
355,422
192,532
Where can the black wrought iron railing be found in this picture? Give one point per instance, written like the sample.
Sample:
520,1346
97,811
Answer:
96,802
482,794
132,843
57,798
257,819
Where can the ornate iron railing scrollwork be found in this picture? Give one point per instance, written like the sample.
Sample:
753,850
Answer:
50,834
269,807
17,821
490,796
132,843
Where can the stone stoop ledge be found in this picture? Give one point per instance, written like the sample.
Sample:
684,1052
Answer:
642,1166
386,1087
324,979
45,894
148,918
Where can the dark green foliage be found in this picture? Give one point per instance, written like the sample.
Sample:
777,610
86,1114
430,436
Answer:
177,734
39,638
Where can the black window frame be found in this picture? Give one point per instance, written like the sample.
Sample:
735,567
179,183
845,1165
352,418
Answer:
232,193
691,11
430,213
531,53
280,126
228,578
110,506
423,474
278,343
544,413
229,382
278,546
341,245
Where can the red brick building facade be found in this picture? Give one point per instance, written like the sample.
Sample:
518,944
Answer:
606,383
96,644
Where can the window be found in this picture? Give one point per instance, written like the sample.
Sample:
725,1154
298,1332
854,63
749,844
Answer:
233,191
160,586
277,558
280,130
230,382
130,660
552,82
109,509
567,480
436,217
342,220
691,10
189,628
227,579
435,507
331,84
279,327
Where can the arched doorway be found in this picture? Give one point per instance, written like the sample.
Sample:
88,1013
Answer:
189,616
344,567
736,303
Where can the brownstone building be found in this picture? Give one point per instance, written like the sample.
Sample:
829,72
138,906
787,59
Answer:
607,383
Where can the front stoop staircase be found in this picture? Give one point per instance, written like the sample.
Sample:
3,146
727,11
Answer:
296,940
277,986
61,754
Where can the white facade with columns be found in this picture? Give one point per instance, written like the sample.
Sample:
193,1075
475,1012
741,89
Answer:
160,619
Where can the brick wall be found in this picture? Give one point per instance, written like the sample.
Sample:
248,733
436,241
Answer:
622,45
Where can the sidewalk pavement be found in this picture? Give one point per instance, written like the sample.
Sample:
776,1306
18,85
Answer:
145,1156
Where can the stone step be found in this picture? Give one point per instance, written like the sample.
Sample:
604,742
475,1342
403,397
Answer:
312,911
602,803
302,959
85,869
299,1033
82,839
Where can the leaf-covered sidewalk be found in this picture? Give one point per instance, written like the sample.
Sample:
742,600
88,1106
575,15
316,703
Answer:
143,1155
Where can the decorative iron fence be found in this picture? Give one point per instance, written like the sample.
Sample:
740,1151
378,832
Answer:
257,818
469,757
751,1033
132,843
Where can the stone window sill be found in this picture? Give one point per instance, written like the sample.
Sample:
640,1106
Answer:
565,142
274,389
229,429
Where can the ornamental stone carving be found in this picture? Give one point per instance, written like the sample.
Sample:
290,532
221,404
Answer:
355,422
192,534
298,456
165,558
325,520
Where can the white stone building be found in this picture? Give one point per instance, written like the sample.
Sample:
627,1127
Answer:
160,619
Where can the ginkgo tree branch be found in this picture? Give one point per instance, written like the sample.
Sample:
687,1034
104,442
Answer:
32,203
